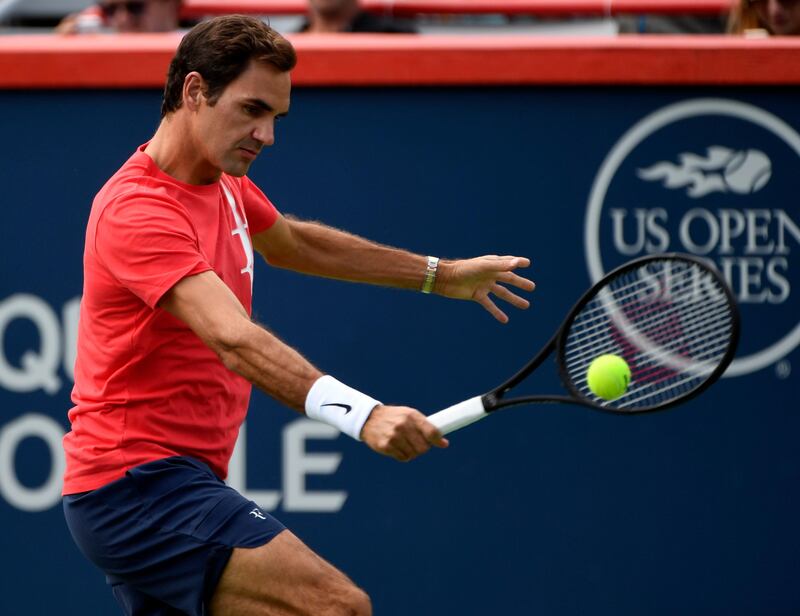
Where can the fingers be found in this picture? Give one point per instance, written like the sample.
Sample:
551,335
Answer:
515,262
504,262
510,278
432,434
518,281
401,433
419,438
506,276
400,452
492,308
511,298
413,442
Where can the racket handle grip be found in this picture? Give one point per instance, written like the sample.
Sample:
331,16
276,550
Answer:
459,415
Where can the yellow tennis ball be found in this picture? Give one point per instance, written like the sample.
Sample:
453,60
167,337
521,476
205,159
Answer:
608,376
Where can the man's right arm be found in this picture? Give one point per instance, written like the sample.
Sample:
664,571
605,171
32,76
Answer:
215,314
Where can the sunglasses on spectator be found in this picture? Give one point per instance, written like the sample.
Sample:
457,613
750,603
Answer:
133,7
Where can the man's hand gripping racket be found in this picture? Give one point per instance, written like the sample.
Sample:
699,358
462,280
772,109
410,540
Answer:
670,318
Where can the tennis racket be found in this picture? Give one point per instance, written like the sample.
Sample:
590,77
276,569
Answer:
671,317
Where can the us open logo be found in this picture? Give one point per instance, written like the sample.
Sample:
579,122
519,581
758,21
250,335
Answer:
714,178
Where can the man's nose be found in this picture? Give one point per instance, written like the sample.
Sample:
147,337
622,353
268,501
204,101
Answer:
265,132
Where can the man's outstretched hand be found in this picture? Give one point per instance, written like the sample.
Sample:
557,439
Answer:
475,279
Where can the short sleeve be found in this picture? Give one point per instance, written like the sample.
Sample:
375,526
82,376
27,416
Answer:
148,246
261,214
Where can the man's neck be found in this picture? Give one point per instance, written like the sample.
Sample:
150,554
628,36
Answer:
173,151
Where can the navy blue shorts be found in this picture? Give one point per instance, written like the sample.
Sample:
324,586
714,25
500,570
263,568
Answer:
163,534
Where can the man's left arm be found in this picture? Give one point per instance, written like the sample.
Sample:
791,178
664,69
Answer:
314,248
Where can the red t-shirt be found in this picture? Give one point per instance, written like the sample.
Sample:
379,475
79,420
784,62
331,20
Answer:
146,387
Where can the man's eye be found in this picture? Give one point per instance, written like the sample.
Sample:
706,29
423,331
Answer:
251,109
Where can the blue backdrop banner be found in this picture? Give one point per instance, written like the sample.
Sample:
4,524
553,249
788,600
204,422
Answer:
552,510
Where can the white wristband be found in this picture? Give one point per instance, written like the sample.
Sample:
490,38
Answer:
341,406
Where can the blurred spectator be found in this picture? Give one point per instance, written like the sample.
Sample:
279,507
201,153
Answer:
125,16
668,24
780,17
347,16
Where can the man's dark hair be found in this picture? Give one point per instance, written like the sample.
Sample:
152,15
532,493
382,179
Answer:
220,50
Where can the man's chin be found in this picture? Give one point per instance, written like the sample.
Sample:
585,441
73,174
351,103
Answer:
237,169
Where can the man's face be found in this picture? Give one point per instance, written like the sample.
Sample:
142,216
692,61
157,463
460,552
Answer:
141,15
779,16
233,131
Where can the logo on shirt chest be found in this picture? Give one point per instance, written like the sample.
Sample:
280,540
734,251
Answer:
240,231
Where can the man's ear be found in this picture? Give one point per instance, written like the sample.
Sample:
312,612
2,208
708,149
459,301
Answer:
193,90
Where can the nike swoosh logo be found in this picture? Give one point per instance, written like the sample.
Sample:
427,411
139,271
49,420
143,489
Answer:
347,408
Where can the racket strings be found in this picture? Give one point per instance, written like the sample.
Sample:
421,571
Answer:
651,384
672,388
648,375
658,323
598,324
598,332
671,322
658,337
643,369
707,328
632,290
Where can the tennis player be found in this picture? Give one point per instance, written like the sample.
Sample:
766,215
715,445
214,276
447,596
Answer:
167,351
